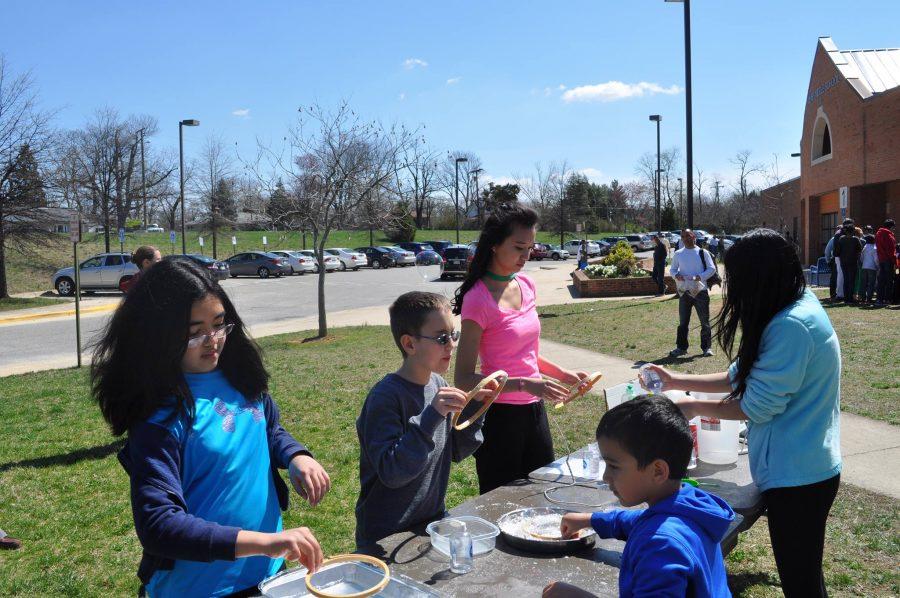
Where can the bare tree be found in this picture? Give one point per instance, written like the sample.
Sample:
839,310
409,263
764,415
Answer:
24,136
333,161
447,178
699,181
213,185
417,177
743,186
538,189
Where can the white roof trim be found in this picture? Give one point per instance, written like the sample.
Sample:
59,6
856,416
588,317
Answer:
869,72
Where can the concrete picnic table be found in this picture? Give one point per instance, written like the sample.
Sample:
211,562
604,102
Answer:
507,571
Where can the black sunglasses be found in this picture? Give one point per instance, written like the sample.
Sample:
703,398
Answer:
442,339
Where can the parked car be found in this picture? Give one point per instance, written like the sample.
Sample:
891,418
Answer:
439,246
556,253
539,252
299,263
331,262
613,241
573,245
154,228
401,256
258,263
219,269
101,272
456,261
415,246
604,246
349,259
639,242
377,257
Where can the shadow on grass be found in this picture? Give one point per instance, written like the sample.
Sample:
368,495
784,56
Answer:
94,453
742,582
615,305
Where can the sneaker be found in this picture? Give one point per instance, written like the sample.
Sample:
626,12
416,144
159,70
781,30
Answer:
676,352
7,543
708,353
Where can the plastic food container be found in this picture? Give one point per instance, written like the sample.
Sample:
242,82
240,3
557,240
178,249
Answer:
484,534
717,439
341,578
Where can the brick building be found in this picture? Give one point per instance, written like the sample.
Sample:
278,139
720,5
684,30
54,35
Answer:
849,150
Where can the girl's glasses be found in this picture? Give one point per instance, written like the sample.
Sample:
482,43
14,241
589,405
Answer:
442,339
219,332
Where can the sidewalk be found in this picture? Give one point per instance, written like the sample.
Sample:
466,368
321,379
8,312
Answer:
66,309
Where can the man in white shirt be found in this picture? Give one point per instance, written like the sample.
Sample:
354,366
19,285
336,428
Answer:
691,269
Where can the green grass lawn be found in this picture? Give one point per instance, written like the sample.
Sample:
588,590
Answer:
10,303
645,330
32,272
63,492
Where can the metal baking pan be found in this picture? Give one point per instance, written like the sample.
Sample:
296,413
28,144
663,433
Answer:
518,532
341,578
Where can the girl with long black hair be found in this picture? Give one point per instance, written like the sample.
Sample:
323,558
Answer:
500,324
204,438
785,380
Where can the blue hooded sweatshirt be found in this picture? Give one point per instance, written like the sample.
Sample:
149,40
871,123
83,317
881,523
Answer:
672,548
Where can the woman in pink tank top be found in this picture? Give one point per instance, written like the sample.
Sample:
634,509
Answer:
500,325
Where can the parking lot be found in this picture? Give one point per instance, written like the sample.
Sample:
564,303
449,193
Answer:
258,301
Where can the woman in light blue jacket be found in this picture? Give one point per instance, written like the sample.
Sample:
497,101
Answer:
785,380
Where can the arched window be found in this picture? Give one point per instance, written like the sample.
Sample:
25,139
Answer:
821,138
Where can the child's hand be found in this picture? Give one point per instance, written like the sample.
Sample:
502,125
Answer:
572,523
448,400
297,544
309,479
665,376
572,378
549,390
486,392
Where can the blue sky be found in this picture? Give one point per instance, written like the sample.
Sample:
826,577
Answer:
479,76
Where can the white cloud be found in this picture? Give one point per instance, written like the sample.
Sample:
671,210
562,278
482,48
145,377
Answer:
411,63
612,91
242,112
453,80
401,97
593,175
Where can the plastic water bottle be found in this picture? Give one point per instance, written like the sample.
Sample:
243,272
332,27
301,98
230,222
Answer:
650,379
694,450
629,392
593,462
461,551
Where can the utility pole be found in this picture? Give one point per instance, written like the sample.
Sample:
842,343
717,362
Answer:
143,181
478,203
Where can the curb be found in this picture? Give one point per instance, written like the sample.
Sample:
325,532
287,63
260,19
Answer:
56,314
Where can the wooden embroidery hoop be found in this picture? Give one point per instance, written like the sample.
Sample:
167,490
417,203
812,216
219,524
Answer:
485,404
352,558
581,389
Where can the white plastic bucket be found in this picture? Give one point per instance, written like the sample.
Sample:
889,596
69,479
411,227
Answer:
718,439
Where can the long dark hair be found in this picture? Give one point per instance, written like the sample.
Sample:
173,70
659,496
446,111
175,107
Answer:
497,228
763,275
136,367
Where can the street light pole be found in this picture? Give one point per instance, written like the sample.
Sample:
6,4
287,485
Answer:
657,119
688,111
183,123
458,160
143,181
681,202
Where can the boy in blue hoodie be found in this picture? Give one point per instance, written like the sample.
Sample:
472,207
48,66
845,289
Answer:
671,547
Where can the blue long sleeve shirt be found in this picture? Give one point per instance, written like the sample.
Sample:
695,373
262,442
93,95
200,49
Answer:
793,399
672,549
196,483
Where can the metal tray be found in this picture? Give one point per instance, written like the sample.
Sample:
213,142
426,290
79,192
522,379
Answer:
341,577
510,523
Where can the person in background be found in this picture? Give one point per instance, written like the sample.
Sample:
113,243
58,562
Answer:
869,269
660,253
583,254
714,247
885,243
691,267
143,257
835,282
848,248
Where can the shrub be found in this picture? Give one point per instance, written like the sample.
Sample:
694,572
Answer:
620,263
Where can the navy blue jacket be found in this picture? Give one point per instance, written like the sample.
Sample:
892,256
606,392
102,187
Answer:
152,459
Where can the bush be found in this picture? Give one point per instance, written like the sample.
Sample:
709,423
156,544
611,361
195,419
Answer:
403,225
620,263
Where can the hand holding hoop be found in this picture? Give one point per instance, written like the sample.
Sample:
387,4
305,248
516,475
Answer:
581,389
351,558
501,377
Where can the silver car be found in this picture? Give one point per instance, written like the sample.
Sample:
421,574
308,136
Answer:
331,262
352,260
101,272
401,256
299,263
258,263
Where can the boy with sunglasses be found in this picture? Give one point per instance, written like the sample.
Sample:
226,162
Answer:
405,436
